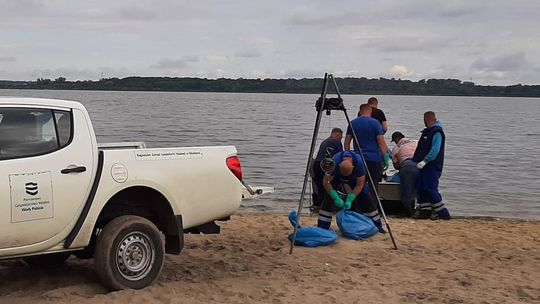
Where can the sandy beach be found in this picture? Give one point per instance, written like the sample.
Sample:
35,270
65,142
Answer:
457,261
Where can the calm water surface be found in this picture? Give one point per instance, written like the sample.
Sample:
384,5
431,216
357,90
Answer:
491,165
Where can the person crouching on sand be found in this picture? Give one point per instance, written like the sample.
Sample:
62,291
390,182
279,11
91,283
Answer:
347,177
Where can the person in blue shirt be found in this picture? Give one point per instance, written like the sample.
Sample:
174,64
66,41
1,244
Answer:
328,148
346,187
371,140
429,156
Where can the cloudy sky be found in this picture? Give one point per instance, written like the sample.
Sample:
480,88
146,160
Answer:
488,42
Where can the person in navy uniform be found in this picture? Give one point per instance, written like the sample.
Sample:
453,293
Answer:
429,156
346,187
328,148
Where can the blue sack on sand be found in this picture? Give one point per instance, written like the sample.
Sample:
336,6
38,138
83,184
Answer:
354,225
311,236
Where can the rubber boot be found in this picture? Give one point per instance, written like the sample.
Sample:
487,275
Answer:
323,224
442,214
379,226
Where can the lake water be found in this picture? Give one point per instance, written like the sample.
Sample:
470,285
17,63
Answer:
492,143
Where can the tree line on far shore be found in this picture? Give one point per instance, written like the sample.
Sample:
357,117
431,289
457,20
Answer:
348,85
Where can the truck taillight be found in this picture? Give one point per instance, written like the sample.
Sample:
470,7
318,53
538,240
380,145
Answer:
233,163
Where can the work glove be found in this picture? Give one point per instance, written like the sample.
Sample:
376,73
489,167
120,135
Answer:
421,164
350,198
386,161
337,199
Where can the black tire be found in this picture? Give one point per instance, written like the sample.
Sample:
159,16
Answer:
50,260
129,253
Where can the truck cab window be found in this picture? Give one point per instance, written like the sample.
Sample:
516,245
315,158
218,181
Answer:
63,123
26,132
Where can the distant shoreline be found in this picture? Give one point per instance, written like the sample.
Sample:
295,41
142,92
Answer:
347,86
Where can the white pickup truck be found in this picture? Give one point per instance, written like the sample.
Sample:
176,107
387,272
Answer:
62,193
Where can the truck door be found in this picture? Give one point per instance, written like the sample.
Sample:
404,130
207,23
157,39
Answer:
46,169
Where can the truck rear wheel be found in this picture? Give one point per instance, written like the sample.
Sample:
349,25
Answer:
129,253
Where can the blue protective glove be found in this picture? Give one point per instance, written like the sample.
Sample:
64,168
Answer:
350,198
337,200
386,161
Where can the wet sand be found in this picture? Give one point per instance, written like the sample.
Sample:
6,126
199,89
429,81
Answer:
457,261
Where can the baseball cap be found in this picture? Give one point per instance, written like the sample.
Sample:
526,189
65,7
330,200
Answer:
396,136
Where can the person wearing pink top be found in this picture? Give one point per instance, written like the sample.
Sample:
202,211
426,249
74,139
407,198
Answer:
402,154
404,149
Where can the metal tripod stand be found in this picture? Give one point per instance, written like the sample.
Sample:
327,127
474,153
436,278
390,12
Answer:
328,105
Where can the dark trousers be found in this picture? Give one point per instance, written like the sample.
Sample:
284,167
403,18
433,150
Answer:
375,170
363,204
408,174
317,176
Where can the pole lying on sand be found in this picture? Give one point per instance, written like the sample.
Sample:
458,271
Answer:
324,104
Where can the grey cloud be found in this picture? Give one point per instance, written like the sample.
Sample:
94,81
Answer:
511,62
432,10
25,7
190,58
96,15
451,71
292,38
421,41
310,18
166,11
453,9
406,44
137,13
393,14
489,76
303,73
248,54
7,59
74,73
473,53
169,64
457,11
68,72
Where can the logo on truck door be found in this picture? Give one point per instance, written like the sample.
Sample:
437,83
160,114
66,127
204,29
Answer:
28,202
31,188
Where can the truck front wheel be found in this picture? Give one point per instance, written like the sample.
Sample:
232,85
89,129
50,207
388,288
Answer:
129,253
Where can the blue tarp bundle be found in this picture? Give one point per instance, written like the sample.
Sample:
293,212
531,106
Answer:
311,236
355,225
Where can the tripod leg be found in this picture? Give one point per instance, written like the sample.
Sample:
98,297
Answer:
371,182
310,160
